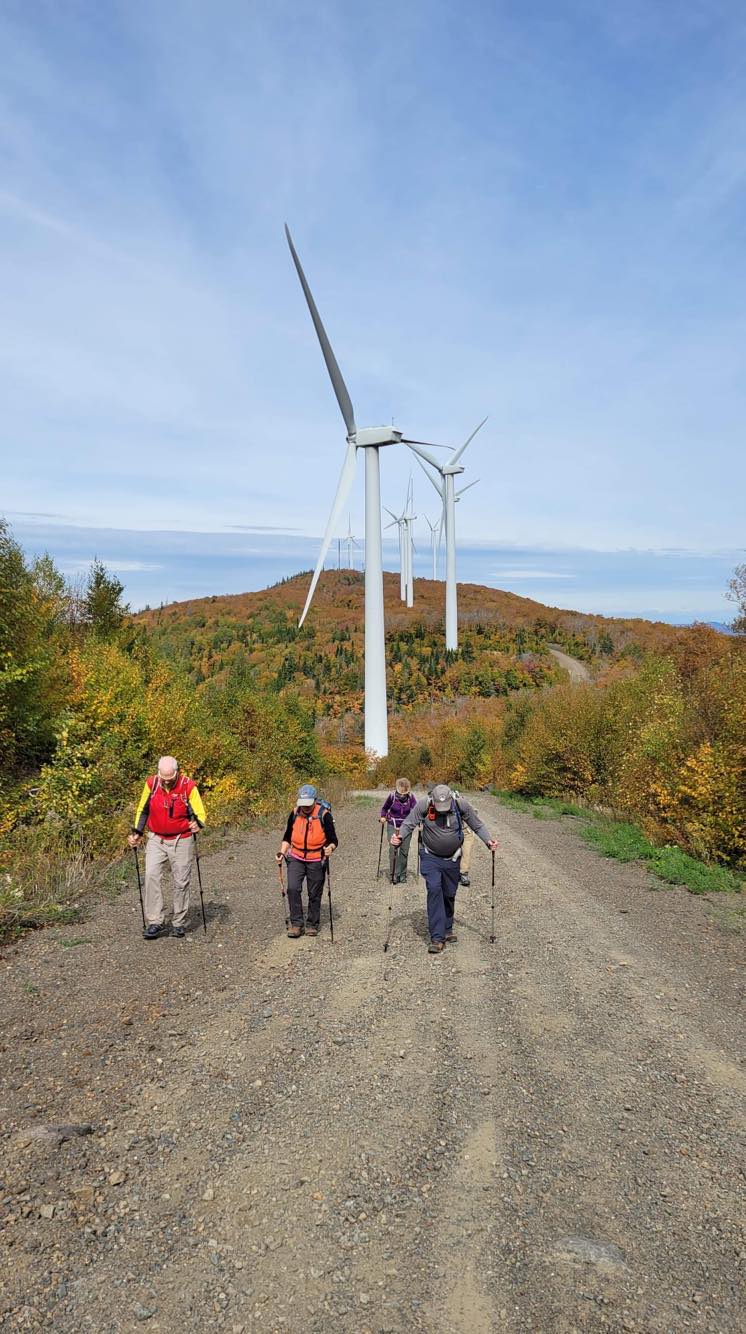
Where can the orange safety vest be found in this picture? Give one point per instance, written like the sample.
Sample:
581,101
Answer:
308,839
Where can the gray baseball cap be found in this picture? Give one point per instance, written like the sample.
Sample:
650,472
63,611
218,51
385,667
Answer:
441,796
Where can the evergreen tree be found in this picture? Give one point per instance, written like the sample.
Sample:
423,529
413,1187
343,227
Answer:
103,610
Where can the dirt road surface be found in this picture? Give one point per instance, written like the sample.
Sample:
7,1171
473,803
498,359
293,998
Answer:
543,1134
576,670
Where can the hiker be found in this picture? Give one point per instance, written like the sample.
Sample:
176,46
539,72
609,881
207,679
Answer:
171,810
464,865
309,839
394,812
442,816
466,852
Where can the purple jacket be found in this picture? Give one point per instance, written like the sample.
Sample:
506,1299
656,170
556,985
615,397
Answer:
396,808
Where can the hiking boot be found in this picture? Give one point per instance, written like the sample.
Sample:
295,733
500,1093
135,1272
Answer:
178,931
436,947
451,936
464,879
152,932
312,930
294,932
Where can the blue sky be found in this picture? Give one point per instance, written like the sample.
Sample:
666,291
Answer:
530,210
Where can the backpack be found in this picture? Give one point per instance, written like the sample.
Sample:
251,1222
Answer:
455,810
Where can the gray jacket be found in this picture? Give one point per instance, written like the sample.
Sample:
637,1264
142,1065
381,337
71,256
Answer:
444,836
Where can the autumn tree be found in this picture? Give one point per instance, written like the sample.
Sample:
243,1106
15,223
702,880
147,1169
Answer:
103,609
737,593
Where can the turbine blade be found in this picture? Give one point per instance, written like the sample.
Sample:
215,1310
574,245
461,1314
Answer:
344,486
335,374
455,457
466,488
422,454
431,480
429,444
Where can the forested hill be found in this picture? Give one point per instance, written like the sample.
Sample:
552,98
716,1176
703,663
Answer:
503,641
340,598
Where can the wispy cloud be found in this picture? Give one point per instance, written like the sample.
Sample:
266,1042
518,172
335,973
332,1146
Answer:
530,574
547,226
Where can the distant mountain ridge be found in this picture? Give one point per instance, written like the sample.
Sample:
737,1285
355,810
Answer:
340,596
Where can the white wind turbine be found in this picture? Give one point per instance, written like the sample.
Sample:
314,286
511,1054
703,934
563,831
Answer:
405,524
398,519
435,531
351,542
370,439
446,488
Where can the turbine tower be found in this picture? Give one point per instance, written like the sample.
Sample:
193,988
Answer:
409,517
446,488
370,439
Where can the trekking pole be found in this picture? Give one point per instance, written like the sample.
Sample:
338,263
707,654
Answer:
139,887
329,890
199,880
493,936
284,896
380,850
391,898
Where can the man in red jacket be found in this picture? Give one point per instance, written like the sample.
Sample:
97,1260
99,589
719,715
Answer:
172,811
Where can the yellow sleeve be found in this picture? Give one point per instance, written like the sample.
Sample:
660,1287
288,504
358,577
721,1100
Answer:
141,814
197,805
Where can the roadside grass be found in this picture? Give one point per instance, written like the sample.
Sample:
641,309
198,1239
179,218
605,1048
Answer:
730,917
542,808
626,843
43,885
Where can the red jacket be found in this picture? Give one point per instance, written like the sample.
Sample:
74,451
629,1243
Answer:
167,813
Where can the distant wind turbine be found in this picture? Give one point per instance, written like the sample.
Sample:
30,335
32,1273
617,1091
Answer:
435,530
446,488
370,439
398,519
405,525
351,542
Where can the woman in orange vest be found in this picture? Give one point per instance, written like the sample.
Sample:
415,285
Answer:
310,838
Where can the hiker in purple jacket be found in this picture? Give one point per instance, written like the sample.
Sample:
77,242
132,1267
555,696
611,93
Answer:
394,812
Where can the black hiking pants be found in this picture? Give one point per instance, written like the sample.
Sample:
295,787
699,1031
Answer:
313,873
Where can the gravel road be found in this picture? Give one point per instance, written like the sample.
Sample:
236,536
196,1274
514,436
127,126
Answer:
576,670
536,1135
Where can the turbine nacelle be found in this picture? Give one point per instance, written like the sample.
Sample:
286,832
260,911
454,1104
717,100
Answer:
375,435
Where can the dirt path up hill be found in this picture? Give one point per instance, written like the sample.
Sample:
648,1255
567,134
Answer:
540,1135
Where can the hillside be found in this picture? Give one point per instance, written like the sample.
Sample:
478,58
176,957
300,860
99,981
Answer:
340,597
504,640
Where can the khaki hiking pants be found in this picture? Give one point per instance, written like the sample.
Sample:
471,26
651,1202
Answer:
466,851
178,853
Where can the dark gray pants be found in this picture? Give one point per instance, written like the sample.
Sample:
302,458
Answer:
313,873
402,852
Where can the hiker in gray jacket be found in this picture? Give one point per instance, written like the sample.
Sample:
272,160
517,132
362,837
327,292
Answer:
442,815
